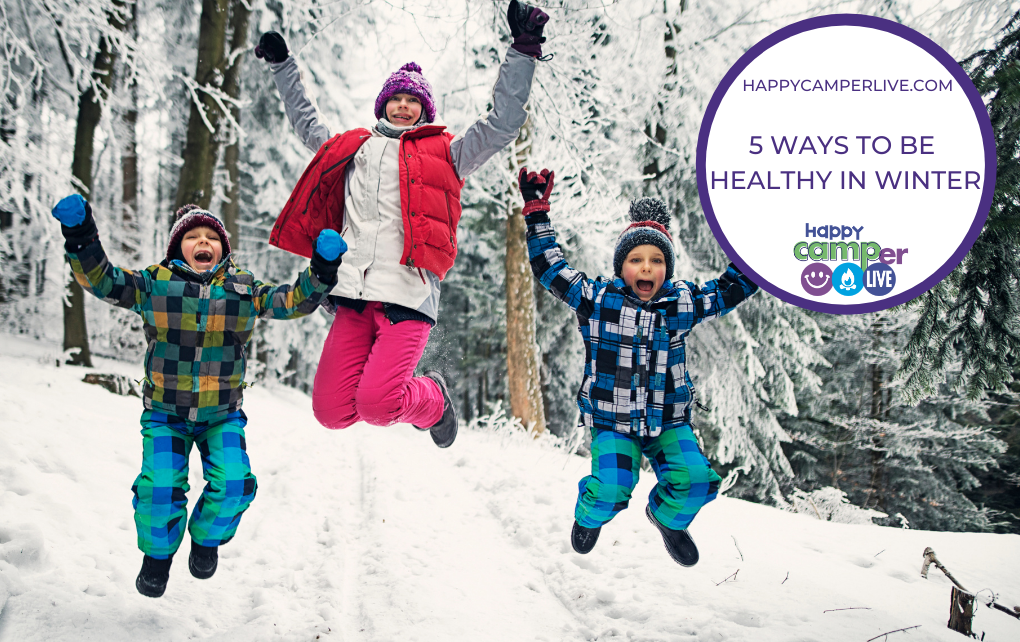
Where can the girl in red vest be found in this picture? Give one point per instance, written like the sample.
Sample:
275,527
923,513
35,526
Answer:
393,192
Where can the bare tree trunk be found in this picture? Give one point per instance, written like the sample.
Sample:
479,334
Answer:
201,149
879,412
232,86
523,357
90,110
129,160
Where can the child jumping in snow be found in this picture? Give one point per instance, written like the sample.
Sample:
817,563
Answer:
394,193
636,394
198,311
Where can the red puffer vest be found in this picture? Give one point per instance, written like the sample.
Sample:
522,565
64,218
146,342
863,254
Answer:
429,198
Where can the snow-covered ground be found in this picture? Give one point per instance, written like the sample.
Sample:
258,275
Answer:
376,534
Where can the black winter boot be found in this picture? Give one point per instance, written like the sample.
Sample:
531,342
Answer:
202,560
679,544
152,579
583,539
444,432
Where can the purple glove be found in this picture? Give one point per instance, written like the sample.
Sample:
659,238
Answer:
526,25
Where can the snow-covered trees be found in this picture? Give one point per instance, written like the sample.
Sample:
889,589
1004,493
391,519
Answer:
915,462
790,399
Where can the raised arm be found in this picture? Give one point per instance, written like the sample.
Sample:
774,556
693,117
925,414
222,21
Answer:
513,87
547,261
310,288
302,115
720,296
92,269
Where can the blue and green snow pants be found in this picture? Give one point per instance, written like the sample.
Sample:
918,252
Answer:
160,502
686,479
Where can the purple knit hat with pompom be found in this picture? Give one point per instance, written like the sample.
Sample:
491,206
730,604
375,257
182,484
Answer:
407,80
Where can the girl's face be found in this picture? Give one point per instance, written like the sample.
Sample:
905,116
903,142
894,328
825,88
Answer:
202,248
644,270
403,110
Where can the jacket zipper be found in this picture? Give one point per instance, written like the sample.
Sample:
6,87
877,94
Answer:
407,216
196,384
449,218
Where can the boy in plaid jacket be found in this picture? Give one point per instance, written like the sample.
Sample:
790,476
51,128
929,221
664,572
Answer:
198,311
636,394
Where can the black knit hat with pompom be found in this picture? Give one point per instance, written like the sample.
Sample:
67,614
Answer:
649,226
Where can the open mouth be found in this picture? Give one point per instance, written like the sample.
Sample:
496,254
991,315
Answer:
405,117
644,287
203,256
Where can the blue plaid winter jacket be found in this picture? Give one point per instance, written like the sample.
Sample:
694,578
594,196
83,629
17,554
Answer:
635,371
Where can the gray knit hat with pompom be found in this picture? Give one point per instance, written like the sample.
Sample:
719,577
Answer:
649,226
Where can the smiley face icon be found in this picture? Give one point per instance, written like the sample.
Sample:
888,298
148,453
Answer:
816,279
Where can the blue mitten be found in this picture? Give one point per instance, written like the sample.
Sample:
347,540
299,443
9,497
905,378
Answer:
326,257
330,245
70,210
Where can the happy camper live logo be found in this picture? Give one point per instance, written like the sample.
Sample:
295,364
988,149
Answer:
838,259
846,164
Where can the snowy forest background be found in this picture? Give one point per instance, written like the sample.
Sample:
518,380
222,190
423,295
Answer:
912,412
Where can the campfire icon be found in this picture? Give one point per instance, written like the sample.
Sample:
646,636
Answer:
847,279
847,282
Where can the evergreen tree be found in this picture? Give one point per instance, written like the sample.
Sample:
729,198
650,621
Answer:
970,322
915,462
974,313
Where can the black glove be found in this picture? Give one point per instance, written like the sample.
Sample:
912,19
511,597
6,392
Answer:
78,236
272,47
325,270
526,25
535,188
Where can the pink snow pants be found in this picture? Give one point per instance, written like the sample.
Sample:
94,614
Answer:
365,372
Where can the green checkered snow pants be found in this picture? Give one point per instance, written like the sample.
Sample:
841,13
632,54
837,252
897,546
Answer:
160,502
686,479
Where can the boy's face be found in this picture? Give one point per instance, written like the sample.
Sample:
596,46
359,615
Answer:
644,270
202,248
403,110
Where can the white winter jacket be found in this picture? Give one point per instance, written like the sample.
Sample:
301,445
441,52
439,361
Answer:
371,268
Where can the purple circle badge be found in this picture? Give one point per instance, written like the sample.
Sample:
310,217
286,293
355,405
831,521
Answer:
852,143
816,279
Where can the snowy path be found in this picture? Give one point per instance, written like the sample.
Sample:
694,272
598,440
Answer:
376,534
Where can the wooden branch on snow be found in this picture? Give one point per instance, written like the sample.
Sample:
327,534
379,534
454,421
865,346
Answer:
961,605
738,548
733,577
849,608
929,559
896,631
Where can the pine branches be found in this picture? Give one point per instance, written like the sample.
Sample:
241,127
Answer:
974,314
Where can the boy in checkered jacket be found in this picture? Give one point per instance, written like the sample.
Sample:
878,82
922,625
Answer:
198,311
636,394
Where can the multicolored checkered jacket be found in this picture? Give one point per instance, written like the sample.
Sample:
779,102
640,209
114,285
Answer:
635,372
197,325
